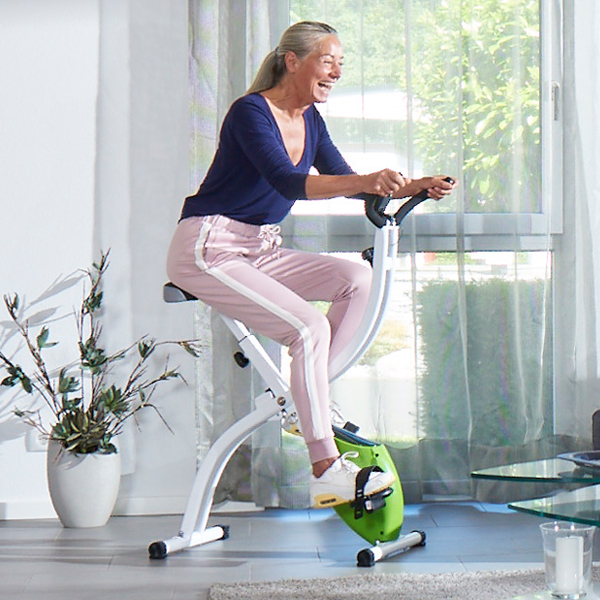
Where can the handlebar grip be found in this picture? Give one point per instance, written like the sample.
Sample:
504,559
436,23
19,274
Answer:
412,202
374,209
375,206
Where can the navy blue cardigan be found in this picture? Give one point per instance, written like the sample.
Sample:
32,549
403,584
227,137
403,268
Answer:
252,178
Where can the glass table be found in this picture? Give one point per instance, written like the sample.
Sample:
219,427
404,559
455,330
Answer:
579,505
591,595
550,470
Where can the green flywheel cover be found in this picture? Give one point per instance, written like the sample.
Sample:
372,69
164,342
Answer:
382,525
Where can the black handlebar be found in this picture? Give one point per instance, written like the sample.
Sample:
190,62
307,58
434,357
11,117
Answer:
375,207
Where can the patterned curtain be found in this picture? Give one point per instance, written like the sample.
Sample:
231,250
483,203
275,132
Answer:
473,366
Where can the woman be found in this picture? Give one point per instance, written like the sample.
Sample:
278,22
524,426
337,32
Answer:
226,252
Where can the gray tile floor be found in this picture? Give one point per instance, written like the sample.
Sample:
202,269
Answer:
40,560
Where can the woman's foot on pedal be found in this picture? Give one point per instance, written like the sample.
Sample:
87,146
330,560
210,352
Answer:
337,485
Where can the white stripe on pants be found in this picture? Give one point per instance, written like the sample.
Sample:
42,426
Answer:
241,271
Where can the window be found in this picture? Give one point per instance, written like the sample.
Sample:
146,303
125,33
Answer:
462,370
465,88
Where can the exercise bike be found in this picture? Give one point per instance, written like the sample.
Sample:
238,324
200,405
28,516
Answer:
378,518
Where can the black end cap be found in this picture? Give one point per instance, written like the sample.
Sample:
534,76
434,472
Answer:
423,541
365,558
157,550
241,360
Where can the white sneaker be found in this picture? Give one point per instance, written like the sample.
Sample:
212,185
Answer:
337,485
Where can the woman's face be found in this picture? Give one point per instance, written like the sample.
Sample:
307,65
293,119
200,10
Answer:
316,73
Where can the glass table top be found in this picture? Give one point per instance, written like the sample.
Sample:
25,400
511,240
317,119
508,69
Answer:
578,506
557,470
545,595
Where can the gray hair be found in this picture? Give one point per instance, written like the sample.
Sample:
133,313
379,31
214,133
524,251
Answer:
301,39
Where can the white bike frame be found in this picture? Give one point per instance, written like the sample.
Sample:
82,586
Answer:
277,401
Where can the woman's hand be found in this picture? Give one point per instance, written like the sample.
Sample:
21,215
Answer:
385,182
437,187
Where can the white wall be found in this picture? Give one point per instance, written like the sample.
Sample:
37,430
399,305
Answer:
94,155
47,153
49,79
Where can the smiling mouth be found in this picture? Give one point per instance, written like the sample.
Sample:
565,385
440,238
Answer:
324,85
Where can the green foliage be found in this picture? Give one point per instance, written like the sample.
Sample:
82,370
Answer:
506,343
474,87
479,87
16,376
88,409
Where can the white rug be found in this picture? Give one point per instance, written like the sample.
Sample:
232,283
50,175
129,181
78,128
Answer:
484,585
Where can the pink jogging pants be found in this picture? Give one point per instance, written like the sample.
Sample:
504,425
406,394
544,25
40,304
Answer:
241,271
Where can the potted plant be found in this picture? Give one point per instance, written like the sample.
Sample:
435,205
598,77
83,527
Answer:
88,405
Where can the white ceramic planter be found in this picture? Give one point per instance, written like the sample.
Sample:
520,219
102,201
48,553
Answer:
84,487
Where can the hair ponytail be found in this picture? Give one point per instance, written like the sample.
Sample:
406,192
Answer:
300,38
269,73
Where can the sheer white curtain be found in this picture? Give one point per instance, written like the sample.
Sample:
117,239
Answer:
578,253
461,376
487,355
228,40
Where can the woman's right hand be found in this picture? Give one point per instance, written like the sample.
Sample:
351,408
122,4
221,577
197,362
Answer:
437,187
384,182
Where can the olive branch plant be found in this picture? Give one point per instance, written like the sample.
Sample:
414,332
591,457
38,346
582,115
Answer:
89,409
